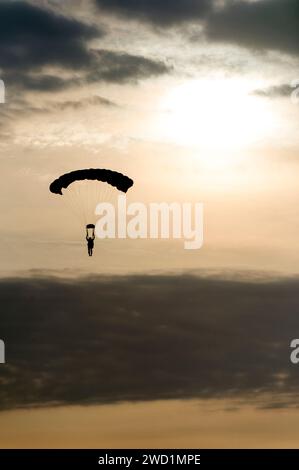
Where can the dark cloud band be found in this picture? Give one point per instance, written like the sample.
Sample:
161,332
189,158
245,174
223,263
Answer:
33,39
284,90
101,340
262,25
162,13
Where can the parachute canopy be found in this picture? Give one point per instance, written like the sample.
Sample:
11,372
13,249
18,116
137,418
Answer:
85,189
118,180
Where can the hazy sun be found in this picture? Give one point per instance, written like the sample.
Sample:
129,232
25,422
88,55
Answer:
214,115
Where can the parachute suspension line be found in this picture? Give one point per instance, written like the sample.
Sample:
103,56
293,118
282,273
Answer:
83,197
82,193
83,190
70,205
104,194
88,201
95,197
79,199
86,198
74,193
91,202
75,202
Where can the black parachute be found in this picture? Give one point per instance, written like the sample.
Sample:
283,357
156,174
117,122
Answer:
83,190
118,180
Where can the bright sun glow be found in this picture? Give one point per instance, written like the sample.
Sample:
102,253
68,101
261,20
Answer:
219,117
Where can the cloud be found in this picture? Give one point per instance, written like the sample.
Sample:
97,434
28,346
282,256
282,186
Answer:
21,107
106,66
258,25
43,51
39,81
262,25
32,37
120,67
157,12
105,340
95,100
284,90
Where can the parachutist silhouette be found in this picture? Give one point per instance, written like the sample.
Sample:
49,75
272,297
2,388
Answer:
102,177
90,241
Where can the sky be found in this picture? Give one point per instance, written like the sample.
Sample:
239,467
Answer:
196,101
